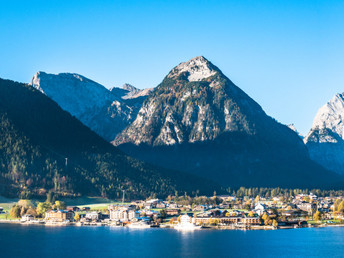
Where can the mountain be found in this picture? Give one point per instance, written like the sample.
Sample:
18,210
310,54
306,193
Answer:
128,91
325,141
198,121
43,148
132,97
105,112
292,127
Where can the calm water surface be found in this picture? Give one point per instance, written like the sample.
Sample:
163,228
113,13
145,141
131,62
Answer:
41,241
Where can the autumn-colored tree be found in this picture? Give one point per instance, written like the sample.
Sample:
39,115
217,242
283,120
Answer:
274,223
257,199
265,216
15,212
22,211
76,217
317,216
340,207
26,203
178,219
32,212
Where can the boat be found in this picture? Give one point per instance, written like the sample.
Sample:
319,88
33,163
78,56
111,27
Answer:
139,225
186,224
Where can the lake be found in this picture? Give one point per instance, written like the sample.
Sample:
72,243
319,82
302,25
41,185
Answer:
43,241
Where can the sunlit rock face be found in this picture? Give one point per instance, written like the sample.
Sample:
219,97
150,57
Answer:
107,112
197,120
325,141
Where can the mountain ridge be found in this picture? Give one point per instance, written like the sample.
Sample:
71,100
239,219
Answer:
325,140
101,109
197,120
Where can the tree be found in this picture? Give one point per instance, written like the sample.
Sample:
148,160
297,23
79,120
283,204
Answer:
250,214
32,212
22,211
274,223
178,219
15,212
60,205
25,203
257,199
340,207
317,216
163,213
76,217
42,207
50,197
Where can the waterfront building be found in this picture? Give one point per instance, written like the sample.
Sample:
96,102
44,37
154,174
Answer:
59,215
27,217
122,213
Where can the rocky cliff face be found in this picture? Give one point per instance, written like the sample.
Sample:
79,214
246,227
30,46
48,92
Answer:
325,141
198,121
105,112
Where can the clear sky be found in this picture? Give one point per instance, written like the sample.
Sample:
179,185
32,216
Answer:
287,55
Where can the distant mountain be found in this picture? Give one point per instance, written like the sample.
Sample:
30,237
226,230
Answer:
105,112
128,91
198,121
325,141
43,148
132,97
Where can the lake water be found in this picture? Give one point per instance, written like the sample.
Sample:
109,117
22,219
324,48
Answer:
42,241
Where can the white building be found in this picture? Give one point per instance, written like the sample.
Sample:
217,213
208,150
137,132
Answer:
260,209
122,213
27,217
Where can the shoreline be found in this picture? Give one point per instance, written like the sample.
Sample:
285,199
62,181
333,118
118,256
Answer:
99,224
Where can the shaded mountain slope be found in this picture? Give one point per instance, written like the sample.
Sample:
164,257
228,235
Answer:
36,136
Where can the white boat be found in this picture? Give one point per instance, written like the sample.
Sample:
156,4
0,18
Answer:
79,224
186,224
139,225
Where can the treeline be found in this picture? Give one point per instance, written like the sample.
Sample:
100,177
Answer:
24,207
285,192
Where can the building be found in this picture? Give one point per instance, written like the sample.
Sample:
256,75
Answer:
172,212
27,217
122,213
260,209
308,207
229,220
73,208
59,215
93,216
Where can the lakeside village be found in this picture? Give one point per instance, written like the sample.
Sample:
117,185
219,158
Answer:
186,213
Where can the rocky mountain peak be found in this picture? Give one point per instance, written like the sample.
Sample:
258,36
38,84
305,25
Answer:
196,69
331,115
130,88
325,140
90,102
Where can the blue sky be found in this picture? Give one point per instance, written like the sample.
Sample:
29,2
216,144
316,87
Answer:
287,55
